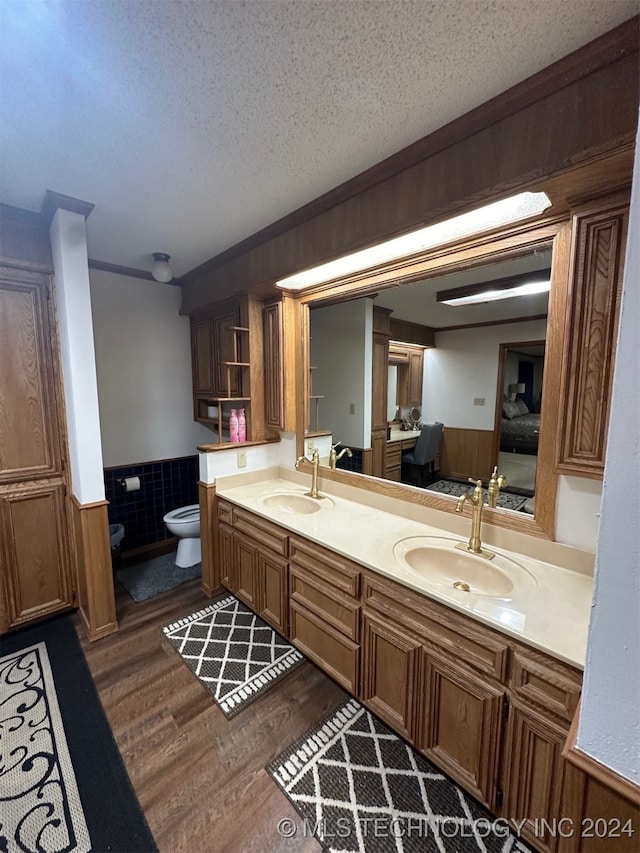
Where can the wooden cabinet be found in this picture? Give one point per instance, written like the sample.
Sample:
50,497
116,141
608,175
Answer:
220,364
34,557
534,772
410,363
325,610
491,712
273,366
36,573
389,672
461,723
599,231
253,563
379,385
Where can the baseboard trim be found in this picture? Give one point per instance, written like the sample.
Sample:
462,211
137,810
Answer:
99,633
147,552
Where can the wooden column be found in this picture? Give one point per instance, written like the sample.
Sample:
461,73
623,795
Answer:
96,599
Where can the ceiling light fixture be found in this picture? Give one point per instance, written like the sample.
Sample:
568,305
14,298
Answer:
504,212
161,270
492,291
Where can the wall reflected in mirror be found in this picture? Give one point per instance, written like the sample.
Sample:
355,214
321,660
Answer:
476,367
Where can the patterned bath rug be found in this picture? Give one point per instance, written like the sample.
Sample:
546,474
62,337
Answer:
233,652
359,788
63,786
506,500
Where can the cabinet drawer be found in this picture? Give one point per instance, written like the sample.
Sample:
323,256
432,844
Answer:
336,608
326,565
394,453
225,512
438,626
546,682
261,531
321,643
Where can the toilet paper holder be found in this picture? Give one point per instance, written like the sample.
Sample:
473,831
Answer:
129,484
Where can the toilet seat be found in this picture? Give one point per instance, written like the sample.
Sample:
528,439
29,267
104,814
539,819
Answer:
184,514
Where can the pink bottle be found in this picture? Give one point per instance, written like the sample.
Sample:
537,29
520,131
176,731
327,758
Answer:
242,426
233,426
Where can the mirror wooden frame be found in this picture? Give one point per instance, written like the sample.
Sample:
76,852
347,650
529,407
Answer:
499,245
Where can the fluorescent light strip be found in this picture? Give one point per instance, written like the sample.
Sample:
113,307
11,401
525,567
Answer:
495,295
504,212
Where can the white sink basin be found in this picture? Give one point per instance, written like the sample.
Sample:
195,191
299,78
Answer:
295,503
436,560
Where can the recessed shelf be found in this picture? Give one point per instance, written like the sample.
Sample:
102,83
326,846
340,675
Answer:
235,363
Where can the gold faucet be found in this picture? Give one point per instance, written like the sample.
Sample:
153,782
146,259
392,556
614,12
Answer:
314,461
477,499
334,456
497,482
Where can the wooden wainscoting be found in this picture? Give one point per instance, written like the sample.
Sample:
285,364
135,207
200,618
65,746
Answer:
208,526
96,598
466,452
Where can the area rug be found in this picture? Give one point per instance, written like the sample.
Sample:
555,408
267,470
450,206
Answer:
151,577
63,786
506,500
359,788
233,652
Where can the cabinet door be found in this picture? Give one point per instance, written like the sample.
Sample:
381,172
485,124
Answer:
245,575
534,773
598,245
202,356
378,453
461,724
34,557
379,382
273,590
273,367
30,441
389,673
225,554
414,394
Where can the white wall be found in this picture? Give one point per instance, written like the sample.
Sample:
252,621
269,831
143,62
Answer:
463,365
340,349
68,234
578,512
609,728
143,361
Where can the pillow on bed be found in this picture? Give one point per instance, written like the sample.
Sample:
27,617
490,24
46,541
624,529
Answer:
514,408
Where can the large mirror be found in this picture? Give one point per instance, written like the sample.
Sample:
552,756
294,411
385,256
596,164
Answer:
472,362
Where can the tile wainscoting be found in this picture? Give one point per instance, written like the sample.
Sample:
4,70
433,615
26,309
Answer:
164,485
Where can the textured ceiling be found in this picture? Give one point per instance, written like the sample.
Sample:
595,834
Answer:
191,125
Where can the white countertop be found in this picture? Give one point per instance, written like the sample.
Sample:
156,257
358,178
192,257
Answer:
397,434
548,608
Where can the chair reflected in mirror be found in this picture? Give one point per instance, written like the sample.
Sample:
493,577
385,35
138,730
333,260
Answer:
418,465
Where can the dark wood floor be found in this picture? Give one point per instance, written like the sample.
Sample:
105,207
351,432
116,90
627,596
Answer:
199,777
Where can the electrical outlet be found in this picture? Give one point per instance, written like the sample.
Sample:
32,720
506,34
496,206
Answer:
478,401
352,408
242,459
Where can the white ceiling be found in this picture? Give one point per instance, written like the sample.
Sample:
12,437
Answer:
191,125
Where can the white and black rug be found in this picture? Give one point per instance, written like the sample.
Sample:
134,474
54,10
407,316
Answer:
506,500
63,786
41,806
233,652
360,789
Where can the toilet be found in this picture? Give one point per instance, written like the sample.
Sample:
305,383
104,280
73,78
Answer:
184,522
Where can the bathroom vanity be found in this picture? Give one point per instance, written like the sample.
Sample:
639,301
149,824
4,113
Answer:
484,682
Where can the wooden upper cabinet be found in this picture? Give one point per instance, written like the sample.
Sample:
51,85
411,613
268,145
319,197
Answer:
226,350
202,356
598,245
416,362
273,366
29,434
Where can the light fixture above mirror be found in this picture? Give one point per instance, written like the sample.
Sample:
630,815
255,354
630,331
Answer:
504,212
492,291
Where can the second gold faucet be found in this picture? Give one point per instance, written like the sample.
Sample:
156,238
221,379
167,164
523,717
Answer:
314,462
